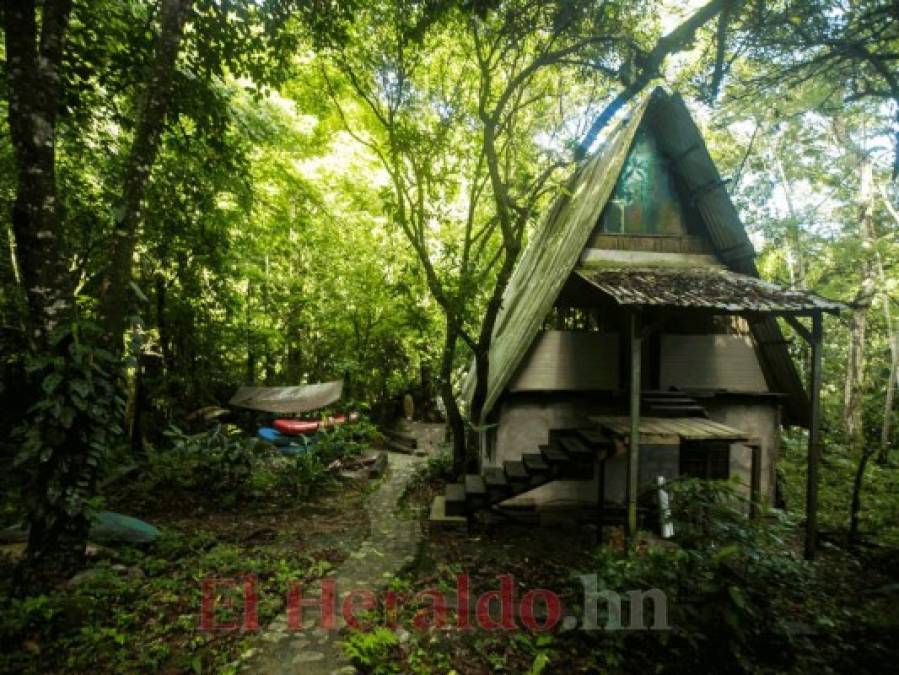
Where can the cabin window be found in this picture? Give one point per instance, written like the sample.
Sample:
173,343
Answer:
645,199
705,460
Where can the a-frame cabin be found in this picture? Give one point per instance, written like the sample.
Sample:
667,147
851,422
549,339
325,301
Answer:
636,339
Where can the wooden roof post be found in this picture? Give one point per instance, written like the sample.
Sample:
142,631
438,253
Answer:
633,447
814,445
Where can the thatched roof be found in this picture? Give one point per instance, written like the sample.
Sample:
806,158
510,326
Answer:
553,251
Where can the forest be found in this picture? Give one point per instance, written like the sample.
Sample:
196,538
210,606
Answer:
204,195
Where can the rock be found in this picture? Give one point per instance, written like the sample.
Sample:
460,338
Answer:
98,552
82,576
346,670
308,657
14,552
14,534
377,469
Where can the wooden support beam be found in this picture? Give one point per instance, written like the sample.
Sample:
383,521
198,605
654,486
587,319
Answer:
600,496
804,332
755,487
633,448
814,445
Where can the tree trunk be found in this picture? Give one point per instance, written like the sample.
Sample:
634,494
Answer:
856,507
154,107
855,375
61,477
886,429
855,367
32,71
889,398
251,352
454,418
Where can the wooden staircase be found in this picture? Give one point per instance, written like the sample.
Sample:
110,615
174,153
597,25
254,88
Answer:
670,404
569,455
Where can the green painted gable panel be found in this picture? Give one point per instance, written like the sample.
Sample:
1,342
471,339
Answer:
645,199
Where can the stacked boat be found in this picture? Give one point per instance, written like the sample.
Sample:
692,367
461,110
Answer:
293,435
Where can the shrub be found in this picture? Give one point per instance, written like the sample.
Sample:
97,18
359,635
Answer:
345,440
727,585
219,461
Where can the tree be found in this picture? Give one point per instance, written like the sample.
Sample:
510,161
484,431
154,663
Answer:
71,383
451,103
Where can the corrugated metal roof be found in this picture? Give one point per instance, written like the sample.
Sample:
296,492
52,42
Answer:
708,288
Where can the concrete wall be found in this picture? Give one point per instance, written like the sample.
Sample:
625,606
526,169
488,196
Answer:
727,362
569,361
760,418
524,423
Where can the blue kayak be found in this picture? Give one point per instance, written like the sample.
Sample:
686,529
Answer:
273,436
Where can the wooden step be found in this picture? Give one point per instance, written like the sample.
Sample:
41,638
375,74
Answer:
553,454
535,464
495,479
576,448
665,394
594,439
516,473
563,468
455,499
649,400
475,491
439,518
475,485
677,411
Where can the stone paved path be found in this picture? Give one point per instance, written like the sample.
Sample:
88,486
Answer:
391,546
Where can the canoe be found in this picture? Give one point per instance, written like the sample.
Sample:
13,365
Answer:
293,427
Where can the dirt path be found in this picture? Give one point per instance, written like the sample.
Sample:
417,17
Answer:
392,544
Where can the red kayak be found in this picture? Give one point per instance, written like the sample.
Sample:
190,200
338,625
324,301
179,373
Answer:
296,427
303,427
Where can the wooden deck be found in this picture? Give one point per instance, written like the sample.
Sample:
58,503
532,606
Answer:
681,428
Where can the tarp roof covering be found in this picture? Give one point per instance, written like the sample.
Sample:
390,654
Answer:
709,288
288,400
553,250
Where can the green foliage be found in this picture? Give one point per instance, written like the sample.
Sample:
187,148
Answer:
344,440
371,651
728,583
880,493
217,462
77,407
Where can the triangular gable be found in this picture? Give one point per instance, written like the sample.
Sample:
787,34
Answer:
550,256
681,140
554,251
